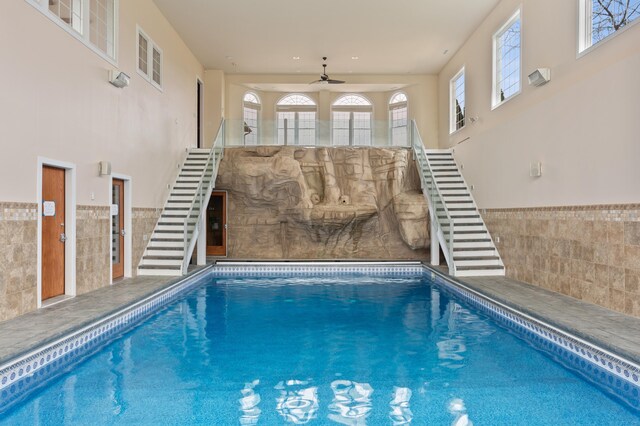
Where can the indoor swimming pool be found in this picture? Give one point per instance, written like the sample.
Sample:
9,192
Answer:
346,349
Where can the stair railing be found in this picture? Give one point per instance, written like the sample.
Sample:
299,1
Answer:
434,198
201,199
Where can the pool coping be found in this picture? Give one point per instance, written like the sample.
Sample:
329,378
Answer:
24,373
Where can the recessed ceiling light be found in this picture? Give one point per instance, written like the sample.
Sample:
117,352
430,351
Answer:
295,58
355,58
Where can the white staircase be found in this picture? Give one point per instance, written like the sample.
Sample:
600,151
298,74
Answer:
455,219
173,240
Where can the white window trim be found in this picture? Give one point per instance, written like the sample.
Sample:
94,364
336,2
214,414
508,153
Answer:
150,46
584,30
495,102
42,6
452,98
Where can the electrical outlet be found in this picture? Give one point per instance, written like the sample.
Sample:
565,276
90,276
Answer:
473,187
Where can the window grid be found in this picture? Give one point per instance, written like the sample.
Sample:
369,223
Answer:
398,119
251,112
340,128
69,12
101,24
458,111
149,60
296,100
507,44
352,100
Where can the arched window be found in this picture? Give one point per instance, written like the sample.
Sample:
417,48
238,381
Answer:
296,120
251,115
351,120
398,120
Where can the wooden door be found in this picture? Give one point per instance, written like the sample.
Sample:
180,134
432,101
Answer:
117,229
53,232
217,224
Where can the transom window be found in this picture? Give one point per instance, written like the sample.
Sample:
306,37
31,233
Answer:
601,18
506,61
296,116
351,120
91,21
398,119
251,115
457,102
149,60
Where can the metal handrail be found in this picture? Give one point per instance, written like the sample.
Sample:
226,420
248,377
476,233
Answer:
194,217
431,191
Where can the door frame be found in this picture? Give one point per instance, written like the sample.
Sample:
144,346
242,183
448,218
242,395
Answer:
128,245
69,226
226,221
200,113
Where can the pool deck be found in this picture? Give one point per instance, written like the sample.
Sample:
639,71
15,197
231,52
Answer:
613,331
610,330
25,333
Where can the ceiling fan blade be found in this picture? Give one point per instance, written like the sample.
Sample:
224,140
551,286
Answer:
330,81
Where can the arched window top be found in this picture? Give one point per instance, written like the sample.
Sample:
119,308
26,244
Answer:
296,99
398,98
251,97
352,100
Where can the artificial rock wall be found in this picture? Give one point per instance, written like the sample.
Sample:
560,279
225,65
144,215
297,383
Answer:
323,203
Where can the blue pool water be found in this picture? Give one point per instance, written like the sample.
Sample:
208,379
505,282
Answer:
339,350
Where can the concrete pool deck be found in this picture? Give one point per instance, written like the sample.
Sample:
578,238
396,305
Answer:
615,332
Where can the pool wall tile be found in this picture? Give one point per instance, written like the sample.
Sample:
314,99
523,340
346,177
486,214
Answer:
587,252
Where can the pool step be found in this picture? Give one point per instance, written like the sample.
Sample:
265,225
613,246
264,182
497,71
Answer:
473,250
165,251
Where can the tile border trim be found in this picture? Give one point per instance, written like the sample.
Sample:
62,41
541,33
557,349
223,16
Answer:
23,375
587,355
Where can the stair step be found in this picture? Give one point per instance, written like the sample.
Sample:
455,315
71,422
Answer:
478,263
161,257
164,251
471,253
472,245
483,267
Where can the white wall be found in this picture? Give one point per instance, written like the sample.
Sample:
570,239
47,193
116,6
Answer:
56,102
420,89
584,126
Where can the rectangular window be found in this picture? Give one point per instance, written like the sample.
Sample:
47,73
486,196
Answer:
399,121
298,126
506,61
457,102
251,121
149,60
340,127
93,22
601,18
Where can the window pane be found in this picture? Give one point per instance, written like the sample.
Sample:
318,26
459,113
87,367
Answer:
101,25
306,128
143,54
340,128
399,120
157,66
69,11
609,16
251,122
458,103
362,128
286,120
296,100
508,62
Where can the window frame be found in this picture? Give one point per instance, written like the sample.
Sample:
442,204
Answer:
84,36
352,109
395,106
452,98
296,109
257,107
584,34
151,45
495,100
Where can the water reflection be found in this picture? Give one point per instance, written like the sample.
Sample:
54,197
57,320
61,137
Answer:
400,413
351,403
459,411
249,404
297,403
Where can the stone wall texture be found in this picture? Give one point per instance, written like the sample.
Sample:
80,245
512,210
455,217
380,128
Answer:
143,220
92,248
591,253
18,259
323,203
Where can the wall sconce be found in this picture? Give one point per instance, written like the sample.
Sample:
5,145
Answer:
119,79
539,77
104,168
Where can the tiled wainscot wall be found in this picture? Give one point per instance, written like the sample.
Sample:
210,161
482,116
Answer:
18,258
143,221
92,248
591,253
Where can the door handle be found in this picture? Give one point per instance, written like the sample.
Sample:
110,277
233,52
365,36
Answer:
63,237
122,232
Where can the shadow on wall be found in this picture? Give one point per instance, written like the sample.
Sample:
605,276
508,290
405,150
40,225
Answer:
324,203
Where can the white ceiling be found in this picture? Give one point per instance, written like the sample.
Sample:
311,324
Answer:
263,36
